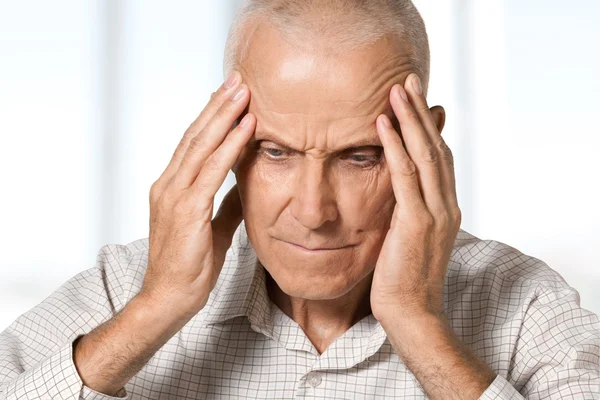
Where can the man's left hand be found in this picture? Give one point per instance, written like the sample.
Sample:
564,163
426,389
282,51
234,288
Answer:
409,276
408,282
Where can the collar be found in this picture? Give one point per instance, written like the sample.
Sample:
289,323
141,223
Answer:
241,287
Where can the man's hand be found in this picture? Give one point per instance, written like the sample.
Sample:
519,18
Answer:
408,282
410,272
187,249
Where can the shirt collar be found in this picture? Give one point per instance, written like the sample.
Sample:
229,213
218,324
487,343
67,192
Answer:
241,287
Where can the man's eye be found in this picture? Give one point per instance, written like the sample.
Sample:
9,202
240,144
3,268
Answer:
273,153
362,159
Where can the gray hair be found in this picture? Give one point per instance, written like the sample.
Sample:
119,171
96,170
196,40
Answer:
347,25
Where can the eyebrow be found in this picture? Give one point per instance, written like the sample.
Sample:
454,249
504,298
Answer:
364,142
281,142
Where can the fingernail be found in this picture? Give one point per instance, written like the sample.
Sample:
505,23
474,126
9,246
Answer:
232,80
244,121
238,94
402,92
416,83
385,121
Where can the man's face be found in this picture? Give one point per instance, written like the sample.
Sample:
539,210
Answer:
314,174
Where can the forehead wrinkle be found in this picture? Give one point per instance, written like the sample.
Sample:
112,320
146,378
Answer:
386,77
267,128
377,100
392,68
371,103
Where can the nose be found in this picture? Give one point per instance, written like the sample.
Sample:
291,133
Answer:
314,201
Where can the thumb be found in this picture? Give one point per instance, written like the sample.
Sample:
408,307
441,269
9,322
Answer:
227,219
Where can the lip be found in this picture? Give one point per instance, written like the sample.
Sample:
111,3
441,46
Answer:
316,250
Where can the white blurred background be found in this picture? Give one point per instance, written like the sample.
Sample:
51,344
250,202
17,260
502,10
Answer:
96,94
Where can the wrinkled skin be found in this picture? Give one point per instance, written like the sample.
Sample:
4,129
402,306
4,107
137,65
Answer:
318,192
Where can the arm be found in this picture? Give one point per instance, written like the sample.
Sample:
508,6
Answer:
44,353
557,355
110,355
36,350
445,368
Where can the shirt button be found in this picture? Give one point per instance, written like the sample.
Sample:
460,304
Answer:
314,379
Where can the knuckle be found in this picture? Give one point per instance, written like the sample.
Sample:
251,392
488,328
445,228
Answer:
196,143
423,109
445,150
449,220
443,221
212,164
429,154
422,224
427,221
188,134
413,116
456,216
169,195
155,191
408,168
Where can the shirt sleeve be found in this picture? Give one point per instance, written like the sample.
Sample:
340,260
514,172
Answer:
557,355
501,389
36,350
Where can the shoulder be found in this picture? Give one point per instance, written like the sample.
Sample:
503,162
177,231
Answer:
490,282
492,260
494,294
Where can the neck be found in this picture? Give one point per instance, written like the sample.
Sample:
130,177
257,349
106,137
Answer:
323,321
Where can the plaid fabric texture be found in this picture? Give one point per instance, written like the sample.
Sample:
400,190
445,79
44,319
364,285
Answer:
515,313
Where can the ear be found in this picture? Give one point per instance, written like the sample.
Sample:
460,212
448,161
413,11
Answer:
439,117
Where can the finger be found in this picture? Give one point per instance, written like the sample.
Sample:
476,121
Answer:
402,170
216,101
419,149
212,175
445,159
213,134
447,173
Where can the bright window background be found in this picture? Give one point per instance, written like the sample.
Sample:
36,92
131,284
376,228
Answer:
95,95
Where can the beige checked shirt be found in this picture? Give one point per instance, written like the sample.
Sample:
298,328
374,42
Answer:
516,313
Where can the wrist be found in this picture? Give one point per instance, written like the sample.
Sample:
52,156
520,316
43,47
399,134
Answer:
403,317
158,316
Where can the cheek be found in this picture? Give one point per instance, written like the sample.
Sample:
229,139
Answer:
366,199
263,190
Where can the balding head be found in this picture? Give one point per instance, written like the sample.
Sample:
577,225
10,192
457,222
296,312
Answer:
332,27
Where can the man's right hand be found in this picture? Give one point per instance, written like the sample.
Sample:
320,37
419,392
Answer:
187,248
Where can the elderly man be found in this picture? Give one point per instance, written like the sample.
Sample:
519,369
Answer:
335,268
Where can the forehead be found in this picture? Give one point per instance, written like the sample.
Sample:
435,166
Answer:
308,81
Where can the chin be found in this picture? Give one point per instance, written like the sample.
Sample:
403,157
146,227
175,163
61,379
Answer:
310,287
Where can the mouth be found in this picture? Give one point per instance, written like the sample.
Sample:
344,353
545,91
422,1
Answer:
316,249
